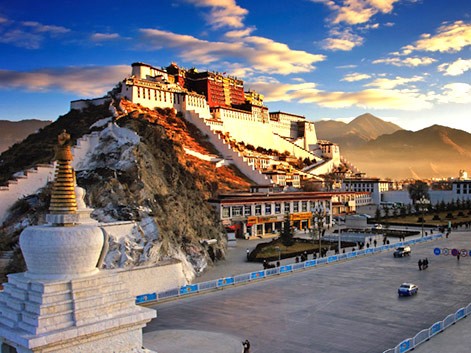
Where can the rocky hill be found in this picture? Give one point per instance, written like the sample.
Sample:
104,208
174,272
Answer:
436,151
12,132
149,179
360,130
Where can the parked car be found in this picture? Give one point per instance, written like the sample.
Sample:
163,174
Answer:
378,226
402,251
407,289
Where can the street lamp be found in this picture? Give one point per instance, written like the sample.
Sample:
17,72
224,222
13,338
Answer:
423,206
319,214
277,248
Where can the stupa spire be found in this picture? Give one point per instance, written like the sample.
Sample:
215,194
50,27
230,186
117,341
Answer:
63,206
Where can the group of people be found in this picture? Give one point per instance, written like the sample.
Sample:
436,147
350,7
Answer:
423,264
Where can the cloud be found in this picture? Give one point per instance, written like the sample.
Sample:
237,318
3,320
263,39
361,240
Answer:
223,13
354,12
457,92
99,37
456,68
28,34
449,38
88,81
353,77
239,33
261,54
343,40
366,99
40,28
410,62
388,84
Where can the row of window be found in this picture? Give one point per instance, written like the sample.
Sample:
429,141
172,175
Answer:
158,95
267,209
164,96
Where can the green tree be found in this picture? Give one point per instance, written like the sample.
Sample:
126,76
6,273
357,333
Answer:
418,190
378,214
287,232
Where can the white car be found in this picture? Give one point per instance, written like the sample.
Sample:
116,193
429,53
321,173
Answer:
407,289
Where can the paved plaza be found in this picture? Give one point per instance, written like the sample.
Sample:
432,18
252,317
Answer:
350,306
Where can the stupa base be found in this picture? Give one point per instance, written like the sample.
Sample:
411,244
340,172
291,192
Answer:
93,314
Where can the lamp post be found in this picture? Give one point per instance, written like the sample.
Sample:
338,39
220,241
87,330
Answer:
423,205
277,248
319,214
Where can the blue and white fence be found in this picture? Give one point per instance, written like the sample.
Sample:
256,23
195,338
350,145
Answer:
424,335
257,275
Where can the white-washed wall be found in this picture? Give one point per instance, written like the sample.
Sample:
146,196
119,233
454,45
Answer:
84,103
34,179
225,150
39,176
155,278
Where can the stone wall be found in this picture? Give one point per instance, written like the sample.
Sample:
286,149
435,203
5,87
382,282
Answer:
153,278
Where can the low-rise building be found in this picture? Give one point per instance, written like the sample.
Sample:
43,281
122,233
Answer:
260,214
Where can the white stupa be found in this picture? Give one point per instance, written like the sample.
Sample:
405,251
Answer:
63,302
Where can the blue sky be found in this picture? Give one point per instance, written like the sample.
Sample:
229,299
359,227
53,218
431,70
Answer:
405,61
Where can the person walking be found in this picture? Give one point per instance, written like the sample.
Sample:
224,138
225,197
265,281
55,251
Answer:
458,256
246,345
420,264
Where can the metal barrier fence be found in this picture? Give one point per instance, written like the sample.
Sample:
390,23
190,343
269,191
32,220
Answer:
257,275
410,343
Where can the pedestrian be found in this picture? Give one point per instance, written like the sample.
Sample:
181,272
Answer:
458,256
374,242
248,253
420,265
425,263
246,345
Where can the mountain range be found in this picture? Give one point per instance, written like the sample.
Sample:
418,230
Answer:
383,149
376,147
12,132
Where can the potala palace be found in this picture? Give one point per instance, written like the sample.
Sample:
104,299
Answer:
217,103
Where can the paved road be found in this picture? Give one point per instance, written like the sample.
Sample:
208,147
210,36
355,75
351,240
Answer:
346,307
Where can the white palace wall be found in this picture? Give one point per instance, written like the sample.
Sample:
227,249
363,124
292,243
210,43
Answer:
228,153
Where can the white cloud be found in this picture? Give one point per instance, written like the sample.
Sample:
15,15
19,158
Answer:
261,54
387,84
353,77
375,98
223,13
239,33
455,68
449,38
88,81
343,40
457,92
354,12
410,62
28,34
99,37
40,28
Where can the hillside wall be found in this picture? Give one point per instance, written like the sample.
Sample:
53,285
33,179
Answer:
155,278
226,151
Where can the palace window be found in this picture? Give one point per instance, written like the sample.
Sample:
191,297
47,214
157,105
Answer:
258,210
296,206
237,211
226,212
247,210
277,208
304,206
268,208
287,207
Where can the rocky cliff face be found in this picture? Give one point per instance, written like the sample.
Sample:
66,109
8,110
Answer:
140,172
